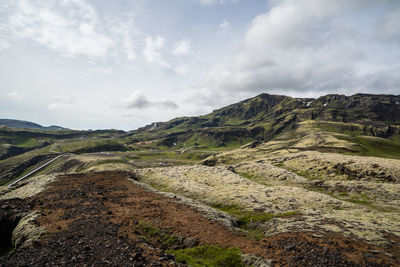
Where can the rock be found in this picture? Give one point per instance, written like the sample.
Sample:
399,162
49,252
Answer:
368,255
190,242
231,168
317,235
289,247
251,260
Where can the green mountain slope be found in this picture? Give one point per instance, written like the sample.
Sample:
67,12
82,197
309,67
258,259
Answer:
265,116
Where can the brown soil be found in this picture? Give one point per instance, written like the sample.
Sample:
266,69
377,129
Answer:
96,219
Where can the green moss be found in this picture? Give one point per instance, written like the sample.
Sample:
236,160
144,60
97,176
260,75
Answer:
163,236
249,220
210,256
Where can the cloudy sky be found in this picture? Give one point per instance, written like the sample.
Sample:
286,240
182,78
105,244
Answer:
126,63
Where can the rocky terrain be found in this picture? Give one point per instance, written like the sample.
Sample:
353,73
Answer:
269,181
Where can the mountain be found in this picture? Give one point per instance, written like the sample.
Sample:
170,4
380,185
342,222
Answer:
264,116
29,125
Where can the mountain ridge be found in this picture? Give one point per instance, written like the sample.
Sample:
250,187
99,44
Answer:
21,124
264,116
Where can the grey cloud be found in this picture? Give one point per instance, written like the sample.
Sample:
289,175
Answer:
314,45
166,103
138,100
388,30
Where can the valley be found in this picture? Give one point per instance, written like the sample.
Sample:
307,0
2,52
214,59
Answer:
269,181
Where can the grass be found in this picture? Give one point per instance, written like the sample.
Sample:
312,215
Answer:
361,199
249,220
338,127
251,177
376,147
110,161
31,142
210,256
305,174
163,236
159,187
21,141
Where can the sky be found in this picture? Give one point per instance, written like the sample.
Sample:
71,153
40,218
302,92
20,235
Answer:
123,64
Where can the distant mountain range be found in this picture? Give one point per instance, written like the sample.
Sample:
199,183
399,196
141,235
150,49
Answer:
29,125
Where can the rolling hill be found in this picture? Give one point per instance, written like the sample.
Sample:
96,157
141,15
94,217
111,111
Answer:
18,124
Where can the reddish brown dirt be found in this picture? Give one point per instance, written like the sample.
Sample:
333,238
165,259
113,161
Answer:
96,218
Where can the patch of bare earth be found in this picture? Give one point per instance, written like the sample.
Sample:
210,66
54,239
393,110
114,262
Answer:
96,219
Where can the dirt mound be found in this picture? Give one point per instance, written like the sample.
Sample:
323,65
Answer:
105,219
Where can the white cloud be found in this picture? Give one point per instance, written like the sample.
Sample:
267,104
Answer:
70,27
72,33
214,2
152,51
60,103
182,48
126,29
181,69
4,43
104,70
15,94
224,27
313,45
137,100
